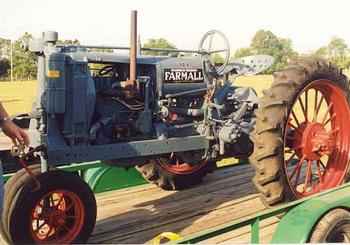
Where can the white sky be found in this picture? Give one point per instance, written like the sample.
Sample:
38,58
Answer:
309,23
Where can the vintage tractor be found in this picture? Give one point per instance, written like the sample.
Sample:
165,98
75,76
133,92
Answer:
171,118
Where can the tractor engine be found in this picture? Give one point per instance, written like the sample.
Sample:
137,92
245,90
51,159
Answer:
128,109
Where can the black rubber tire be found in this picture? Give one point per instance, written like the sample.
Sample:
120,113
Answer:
334,227
16,216
12,187
268,155
156,174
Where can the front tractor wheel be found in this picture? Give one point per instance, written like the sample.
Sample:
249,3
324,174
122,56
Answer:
302,132
61,211
177,171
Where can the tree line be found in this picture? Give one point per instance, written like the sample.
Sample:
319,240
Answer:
263,42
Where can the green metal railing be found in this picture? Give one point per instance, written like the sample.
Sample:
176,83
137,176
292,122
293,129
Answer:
122,178
101,177
252,221
76,167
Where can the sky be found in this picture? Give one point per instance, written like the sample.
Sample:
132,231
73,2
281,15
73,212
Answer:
309,23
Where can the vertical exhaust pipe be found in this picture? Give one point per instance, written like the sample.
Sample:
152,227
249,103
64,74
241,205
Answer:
133,46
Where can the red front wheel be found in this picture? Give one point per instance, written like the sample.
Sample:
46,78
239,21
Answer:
57,217
61,211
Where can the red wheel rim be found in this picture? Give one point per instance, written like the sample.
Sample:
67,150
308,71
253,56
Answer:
57,218
175,165
316,148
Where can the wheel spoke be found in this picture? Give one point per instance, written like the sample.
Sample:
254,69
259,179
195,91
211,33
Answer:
292,126
308,175
37,224
319,172
60,200
295,118
306,102
326,113
318,108
40,226
329,119
290,158
289,151
296,181
322,164
297,167
315,105
303,108
51,201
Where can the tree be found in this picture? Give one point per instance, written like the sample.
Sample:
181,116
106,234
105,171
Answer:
266,42
158,43
218,59
336,51
24,62
241,52
321,52
4,67
4,57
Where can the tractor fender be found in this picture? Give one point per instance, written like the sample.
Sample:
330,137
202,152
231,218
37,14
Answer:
297,224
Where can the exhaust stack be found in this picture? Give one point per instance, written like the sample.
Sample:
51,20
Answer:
133,47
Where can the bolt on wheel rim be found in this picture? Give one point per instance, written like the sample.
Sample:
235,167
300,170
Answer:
57,217
316,148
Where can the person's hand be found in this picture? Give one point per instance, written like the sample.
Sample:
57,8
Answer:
15,133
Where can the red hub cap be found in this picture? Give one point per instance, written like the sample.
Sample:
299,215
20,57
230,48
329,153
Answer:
57,218
316,149
313,141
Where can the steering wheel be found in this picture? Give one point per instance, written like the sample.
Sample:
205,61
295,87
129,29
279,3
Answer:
208,53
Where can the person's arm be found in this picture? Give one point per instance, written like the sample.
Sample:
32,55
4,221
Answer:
15,133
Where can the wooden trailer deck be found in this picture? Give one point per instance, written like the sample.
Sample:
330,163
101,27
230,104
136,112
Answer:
138,214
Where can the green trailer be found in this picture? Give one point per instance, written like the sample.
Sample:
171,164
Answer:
324,217
317,218
102,177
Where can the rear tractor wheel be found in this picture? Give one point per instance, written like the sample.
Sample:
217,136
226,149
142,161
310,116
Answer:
61,211
301,140
176,171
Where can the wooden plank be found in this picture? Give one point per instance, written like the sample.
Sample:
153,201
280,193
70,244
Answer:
138,214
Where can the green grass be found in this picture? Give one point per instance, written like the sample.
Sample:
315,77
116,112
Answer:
18,97
259,82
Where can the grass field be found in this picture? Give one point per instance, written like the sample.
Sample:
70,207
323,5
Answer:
17,97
